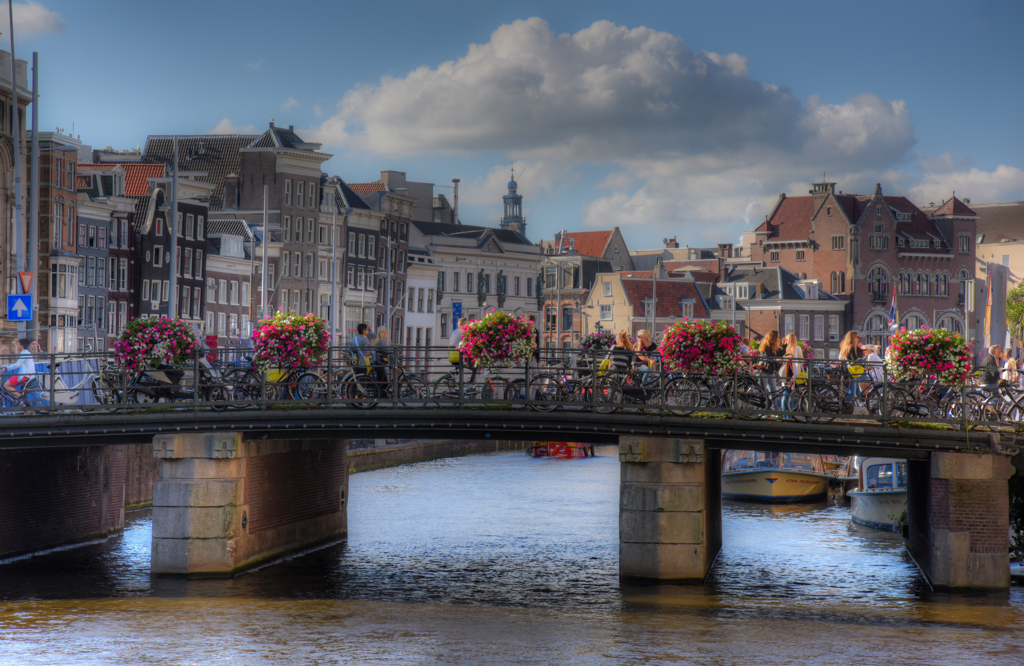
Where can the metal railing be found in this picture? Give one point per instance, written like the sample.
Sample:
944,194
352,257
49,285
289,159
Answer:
813,391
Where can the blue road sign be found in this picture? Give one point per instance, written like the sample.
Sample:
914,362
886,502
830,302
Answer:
456,314
19,307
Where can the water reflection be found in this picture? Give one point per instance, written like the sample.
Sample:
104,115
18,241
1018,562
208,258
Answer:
501,559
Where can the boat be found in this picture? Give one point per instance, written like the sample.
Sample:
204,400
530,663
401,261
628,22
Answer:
880,500
831,462
849,474
560,450
766,476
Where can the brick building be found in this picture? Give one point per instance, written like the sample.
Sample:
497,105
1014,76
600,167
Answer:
865,248
8,265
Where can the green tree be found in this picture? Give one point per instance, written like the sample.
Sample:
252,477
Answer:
1015,312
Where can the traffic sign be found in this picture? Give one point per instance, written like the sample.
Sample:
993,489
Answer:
26,281
19,307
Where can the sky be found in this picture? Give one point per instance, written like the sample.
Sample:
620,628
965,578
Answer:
667,119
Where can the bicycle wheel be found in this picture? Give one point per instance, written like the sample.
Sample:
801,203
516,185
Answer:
682,396
102,393
609,396
545,393
309,387
751,398
363,393
412,391
515,392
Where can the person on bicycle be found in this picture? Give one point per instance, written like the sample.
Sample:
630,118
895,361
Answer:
22,370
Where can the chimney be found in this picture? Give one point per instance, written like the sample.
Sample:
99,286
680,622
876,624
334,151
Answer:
671,244
455,200
231,191
572,245
724,252
659,270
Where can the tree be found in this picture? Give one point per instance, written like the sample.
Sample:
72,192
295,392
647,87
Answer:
1015,312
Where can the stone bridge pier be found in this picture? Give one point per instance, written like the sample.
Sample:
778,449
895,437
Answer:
670,508
223,503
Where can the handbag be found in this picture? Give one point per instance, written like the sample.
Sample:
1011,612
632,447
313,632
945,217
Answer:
786,370
603,368
454,356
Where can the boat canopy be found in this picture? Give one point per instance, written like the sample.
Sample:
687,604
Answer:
736,461
880,474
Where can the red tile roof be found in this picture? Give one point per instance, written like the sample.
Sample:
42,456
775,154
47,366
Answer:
82,182
791,219
953,207
669,295
92,166
136,181
637,274
588,243
366,188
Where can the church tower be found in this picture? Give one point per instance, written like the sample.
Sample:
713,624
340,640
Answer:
513,218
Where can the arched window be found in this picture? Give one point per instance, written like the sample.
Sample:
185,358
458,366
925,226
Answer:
925,284
842,282
835,282
877,323
900,289
941,285
878,281
962,277
951,324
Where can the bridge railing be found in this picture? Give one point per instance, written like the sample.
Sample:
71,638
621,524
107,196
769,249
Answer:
809,390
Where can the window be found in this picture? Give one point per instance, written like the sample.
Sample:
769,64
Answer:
549,319
199,228
352,244
197,270
287,193
965,243
190,226
788,324
222,320
430,300
298,193
371,246
186,301
322,269
223,291
122,315
838,242
211,291
124,233
122,274
312,195
298,230
309,265
101,307
165,294
469,283
158,256
487,282
197,301
286,264
606,313
233,293
362,245
403,234
828,211
298,265
352,276
941,285
90,275
246,293
742,291
188,262
419,300
878,282
567,323
607,287
179,227
529,287
515,283
209,324
819,328
112,317
145,290
310,230
444,325
879,242
773,256
380,261
725,302
284,299
101,238
455,281
800,255
287,227
687,309
296,301
324,239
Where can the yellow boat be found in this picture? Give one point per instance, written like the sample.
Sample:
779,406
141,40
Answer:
766,476
831,462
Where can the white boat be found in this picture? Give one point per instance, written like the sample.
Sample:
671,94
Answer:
880,500
766,476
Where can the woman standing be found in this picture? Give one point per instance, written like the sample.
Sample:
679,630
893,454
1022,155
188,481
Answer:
849,354
768,364
792,366
645,360
382,357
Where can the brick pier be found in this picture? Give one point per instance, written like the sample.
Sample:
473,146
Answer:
223,504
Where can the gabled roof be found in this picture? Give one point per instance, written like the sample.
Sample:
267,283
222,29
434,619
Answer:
998,222
228,228
216,154
505,236
953,207
279,137
709,265
366,188
791,220
670,295
136,180
590,243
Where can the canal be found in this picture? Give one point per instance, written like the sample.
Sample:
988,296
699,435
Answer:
501,559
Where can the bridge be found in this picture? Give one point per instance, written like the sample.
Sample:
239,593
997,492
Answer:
243,481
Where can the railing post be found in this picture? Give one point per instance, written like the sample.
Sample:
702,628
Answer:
263,389
393,360
885,395
661,384
735,392
593,382
195,380
462,385
53,381
329,393
810,389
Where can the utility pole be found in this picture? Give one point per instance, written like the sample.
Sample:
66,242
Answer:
172,301
33,224
19,220
266,243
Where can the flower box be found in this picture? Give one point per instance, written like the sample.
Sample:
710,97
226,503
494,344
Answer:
289,341
700,347
928,352
149,342
499,340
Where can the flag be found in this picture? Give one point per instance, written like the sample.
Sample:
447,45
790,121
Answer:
894,314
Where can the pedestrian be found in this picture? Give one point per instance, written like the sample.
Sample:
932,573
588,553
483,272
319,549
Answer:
849,354
768,363
361,358
792,366
990,367
645,359
381,357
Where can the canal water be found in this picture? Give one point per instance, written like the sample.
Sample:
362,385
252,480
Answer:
503,559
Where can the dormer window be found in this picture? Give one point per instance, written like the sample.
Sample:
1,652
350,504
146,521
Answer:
743,291
899,241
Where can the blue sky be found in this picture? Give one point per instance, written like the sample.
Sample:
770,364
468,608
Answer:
665,118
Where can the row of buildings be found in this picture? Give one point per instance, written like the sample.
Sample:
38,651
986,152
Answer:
395,254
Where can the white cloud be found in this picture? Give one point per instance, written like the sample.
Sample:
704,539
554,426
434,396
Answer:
317,111
255,65
292,103
1005,183
31,18
225,126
